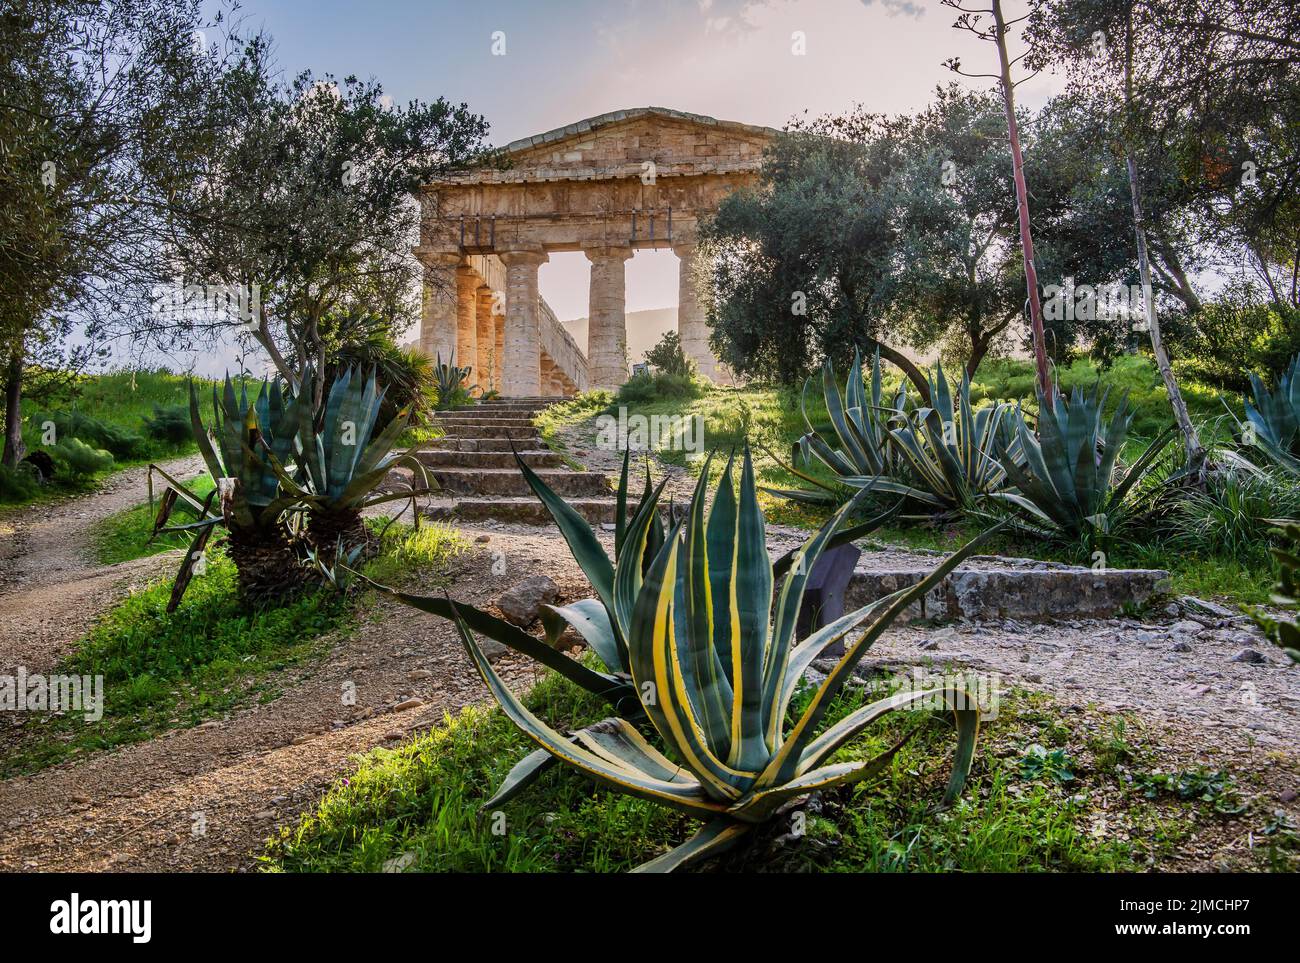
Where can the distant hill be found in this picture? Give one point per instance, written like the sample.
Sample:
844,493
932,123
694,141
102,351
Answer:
644,329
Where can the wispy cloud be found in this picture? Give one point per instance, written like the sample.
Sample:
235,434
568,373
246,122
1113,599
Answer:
896,8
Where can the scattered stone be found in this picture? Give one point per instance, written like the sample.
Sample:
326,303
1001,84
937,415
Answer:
1250,656
398,863
522,604
1186,627
1181,646
411,703
493,649
415,675
1172,610
265,814
930,644
304,738
607,526
1288,795
213,724
394,736
485,537
1144,637
80,799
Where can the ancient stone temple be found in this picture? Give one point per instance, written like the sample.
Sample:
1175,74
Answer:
607,186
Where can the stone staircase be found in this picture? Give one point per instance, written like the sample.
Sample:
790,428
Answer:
475,467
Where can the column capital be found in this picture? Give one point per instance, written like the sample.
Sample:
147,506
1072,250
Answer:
604,251
531,254
685,247
438,257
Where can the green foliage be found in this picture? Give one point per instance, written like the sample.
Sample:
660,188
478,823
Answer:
75,459
1233,516
1229,338
119,442
1273,421
126,535
649,387
450,389
1284,632
405,375
18,484
1038,762
1065,476
668,357
1214,786
170,425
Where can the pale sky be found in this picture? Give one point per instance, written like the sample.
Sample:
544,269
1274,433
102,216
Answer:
567,60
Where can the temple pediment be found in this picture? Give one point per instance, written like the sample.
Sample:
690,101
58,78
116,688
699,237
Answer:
631,143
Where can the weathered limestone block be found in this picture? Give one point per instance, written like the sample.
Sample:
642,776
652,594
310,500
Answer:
467,284
521,376
607,326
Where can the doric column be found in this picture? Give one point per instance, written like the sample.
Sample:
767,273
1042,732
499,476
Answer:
522,373
467,282
691,327
489,362
438,310
607,317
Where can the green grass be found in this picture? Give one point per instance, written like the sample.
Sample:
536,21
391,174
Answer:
125,535
771,420
418,803
214,653
122,400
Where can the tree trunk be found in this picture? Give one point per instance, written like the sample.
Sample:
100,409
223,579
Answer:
1191,440
14,449
267,566
907,366
1045,384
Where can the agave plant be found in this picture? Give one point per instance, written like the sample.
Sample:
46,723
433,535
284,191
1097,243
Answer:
1273,421
956,454
1285,633
450,382
340,464
859,453
250,439
594,618
714,666
1066,477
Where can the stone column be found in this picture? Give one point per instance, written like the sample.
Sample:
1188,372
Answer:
607,317
438,311
522,371
467,284
489,361
691,327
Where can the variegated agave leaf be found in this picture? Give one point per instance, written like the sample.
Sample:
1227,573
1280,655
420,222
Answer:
713,661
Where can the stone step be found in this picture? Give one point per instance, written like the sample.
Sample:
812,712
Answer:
510,432
471,443
482,422
452,458
992,587
510,482
526,511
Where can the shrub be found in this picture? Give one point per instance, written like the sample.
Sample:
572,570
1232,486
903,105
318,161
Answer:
1226,340
119,442
668,357
18,484
1232,516
78,460
655,386
170,425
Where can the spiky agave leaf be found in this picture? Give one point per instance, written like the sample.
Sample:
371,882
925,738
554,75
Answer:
712,658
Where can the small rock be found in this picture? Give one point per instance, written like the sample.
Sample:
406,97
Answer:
1251,656
1288,795
607,526
1181,646
1186,627
493,649
80,799
522,603
415,675
394,736
265,814
398,863
411,703
930,644
209,725
305,737
1143,637
484,538
1172,610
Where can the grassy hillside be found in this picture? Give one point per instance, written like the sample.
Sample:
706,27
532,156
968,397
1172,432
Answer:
135,416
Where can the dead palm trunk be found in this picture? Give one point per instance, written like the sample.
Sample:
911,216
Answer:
1191,438
1045,384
